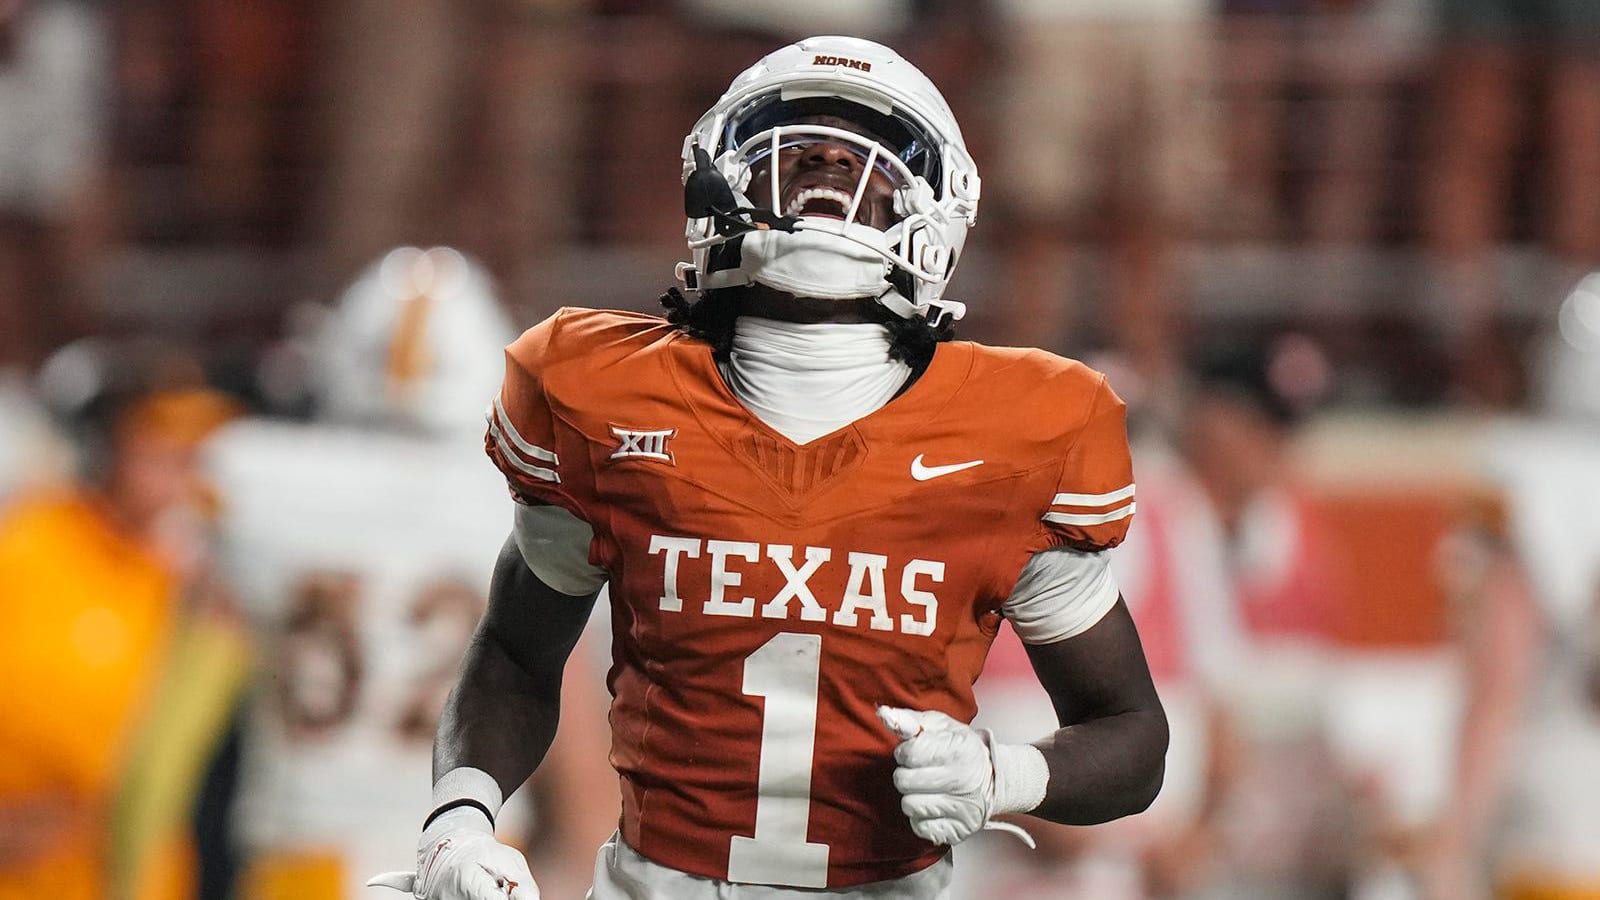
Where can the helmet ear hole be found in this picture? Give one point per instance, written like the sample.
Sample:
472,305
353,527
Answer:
965,185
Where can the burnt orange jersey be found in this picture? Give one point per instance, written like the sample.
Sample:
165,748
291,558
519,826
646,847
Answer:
767,596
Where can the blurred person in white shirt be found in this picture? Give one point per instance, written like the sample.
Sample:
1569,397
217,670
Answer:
1522,824
1175,576
1285,817
363,544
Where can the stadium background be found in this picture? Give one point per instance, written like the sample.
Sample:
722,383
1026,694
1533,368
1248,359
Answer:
1323,247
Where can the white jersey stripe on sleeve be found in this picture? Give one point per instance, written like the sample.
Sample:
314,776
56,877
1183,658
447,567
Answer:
1105,499
510,431
1090,519
518,462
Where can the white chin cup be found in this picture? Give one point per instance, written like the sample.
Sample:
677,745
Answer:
815,263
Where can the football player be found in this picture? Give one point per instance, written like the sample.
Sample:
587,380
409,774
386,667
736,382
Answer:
813,510
362,543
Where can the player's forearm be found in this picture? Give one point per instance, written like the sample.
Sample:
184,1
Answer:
1108,757
499,718
502,715
1105,768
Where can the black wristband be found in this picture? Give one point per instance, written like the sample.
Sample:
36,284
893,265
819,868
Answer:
457,804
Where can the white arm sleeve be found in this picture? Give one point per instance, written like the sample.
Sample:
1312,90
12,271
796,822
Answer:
555,545
1061,593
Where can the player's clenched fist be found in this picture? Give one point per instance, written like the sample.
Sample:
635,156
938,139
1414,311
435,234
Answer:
458,858
952,777
945,776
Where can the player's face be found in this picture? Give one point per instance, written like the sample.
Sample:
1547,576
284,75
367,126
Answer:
830,171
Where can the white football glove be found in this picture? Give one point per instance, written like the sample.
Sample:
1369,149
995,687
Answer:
952,777
459,859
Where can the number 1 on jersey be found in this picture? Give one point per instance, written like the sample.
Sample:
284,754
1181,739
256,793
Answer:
784,671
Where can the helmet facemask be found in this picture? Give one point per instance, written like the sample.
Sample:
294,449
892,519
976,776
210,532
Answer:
889,225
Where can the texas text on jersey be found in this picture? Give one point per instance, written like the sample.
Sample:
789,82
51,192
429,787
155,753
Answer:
767,596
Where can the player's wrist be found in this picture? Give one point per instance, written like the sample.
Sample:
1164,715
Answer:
464,797
1021,775
460,824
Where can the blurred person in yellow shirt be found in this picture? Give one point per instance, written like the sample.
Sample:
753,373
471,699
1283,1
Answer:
93,579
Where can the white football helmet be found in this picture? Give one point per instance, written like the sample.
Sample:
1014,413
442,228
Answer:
416,341
903,129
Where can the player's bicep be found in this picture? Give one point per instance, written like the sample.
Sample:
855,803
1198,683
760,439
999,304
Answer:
532,623
1098,673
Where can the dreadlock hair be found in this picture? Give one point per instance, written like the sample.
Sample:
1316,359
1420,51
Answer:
710,319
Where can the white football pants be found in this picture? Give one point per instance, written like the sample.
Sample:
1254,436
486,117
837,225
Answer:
620,873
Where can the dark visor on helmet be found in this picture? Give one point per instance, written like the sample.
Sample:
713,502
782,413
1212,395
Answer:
903,137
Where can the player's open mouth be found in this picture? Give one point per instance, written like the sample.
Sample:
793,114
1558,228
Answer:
827,202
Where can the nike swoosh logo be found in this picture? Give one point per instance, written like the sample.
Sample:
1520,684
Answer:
922,473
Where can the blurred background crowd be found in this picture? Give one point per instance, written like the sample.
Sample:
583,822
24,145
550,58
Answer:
1332,252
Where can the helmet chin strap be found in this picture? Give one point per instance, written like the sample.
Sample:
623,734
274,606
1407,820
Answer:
811,262
895,302
884,295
